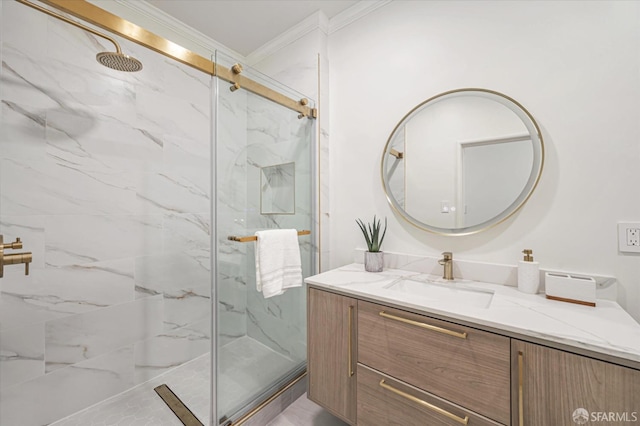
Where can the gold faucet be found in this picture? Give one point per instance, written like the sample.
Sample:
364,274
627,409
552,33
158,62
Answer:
14,258
447,262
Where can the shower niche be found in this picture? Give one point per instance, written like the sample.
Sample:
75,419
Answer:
277,189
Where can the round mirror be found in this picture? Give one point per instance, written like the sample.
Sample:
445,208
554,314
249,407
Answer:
462,161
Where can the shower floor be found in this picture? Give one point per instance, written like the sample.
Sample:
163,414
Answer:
246,365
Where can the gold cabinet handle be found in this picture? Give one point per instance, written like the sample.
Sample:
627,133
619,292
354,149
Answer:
424,325
520,391
431,407
350,344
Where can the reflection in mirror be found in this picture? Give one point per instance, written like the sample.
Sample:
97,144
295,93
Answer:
277,189
462,161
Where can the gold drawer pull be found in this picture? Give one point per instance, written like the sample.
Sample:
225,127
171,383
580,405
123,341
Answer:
520,391
425,404
423,325
350,349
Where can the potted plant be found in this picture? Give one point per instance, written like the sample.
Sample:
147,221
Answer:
373,258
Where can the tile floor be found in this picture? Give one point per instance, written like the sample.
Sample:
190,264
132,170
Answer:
305,413
243,362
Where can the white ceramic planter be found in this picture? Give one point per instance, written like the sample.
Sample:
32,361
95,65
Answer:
373,261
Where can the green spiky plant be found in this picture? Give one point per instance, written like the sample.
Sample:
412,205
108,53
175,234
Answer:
371,233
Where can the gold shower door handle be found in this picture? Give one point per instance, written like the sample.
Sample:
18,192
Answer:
350,342
424,325
419,401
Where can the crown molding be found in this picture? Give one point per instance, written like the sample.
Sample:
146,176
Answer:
355,12
160,17
316,21
311,23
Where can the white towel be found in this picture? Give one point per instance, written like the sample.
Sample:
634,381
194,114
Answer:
278,265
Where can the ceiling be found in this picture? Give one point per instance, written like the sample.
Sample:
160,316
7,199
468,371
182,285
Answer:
246,25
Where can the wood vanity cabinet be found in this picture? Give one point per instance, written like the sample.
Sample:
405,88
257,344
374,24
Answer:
550,385
373,365
331,334
455,364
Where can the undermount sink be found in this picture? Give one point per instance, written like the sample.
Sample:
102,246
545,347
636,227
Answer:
449,293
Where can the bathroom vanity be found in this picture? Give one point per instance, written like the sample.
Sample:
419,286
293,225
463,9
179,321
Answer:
403,347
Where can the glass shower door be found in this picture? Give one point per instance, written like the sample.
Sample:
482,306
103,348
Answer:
264,172
105,176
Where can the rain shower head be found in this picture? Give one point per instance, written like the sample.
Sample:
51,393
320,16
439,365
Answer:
119,61
114,60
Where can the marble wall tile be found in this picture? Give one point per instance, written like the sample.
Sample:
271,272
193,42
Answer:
96,141
279,322
172,115
21,354
78,239
186,231
183,153
172,192
25,82
194,85
84,336
23,132
50,397
59,187
170,349
15,28
17,311
186,305
71,289
169,272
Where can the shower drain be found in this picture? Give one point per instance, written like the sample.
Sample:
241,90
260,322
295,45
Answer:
177,406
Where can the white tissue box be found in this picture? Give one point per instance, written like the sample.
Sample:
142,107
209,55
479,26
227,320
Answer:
570,288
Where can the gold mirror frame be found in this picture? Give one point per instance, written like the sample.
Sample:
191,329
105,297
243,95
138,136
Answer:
390,154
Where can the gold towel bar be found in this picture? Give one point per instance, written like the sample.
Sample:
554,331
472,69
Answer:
254,238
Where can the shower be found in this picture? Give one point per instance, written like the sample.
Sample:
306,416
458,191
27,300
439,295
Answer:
128,192
114,60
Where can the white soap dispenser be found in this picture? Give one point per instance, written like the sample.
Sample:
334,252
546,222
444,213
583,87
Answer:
528,273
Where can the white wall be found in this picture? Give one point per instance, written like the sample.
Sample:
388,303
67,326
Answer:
574,66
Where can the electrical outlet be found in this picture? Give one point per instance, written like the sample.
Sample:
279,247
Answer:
629,237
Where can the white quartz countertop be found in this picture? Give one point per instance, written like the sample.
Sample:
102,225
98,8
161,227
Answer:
606,329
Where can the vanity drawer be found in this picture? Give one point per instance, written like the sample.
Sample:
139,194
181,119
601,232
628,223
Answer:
461,364
382,400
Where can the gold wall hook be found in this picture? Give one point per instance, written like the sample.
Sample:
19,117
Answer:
234,87
236,68
399,155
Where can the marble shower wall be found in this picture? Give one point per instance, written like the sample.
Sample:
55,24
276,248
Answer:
106,178
254,133
231,215
276,136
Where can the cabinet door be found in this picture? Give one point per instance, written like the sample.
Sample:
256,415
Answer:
331,352
553,387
